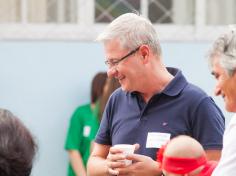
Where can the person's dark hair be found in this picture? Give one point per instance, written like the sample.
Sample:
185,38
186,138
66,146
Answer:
111,85
17,146
98,83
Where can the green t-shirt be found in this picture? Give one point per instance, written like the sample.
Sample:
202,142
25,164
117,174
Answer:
83,128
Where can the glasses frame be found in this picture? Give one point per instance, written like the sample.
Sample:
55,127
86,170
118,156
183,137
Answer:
116,62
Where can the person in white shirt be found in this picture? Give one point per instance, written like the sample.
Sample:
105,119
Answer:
222,60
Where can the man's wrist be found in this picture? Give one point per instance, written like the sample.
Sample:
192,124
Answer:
158,171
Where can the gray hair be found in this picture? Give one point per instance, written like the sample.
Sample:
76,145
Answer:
225,48
131,30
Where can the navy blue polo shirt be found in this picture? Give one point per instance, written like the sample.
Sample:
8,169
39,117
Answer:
181,108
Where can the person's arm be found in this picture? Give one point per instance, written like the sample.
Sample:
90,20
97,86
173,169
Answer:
97,164
77,163
213,154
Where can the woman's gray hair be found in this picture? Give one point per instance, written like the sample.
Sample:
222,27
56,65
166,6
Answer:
131,30
225,49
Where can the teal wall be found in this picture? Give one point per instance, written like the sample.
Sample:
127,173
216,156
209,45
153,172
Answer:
43,82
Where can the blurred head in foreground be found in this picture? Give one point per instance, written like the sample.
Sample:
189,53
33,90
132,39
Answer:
184,156
17,146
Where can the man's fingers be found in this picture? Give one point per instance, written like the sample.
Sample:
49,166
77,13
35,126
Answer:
126,171
114,150
116,157
113,167
136,146
113,172
116,164
135,157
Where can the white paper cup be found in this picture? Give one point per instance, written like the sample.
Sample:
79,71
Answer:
127,149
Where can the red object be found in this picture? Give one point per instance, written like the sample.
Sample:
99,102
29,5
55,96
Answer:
209,168
180,165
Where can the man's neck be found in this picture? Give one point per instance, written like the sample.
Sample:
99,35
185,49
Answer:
155,86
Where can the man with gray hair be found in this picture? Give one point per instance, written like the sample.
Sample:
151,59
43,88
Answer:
154,103
222,60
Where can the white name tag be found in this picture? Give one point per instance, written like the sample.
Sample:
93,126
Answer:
156,140
86,131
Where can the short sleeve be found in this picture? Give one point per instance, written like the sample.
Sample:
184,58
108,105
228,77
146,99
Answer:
74,133
103,135
208,124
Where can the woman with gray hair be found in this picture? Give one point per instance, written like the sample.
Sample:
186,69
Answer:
223,64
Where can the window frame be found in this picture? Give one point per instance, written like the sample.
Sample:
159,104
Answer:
86,30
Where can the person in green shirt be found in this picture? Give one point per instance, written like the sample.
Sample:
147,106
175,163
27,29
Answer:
83,127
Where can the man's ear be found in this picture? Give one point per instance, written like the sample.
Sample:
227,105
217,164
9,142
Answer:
144,52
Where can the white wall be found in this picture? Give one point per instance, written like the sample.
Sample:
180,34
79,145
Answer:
43,82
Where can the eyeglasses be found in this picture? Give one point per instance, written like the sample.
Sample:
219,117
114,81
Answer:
111,63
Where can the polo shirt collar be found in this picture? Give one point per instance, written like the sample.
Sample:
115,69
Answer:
177,84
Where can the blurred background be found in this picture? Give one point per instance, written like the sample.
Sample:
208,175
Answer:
48,57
